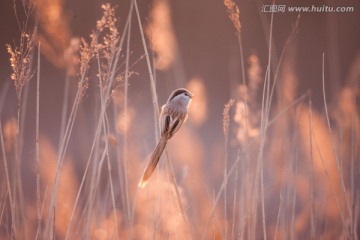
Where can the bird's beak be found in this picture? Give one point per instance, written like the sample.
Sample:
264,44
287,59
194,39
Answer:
191,95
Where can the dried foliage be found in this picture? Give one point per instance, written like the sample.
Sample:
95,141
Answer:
21,58
226,117
102,49
234,14
104,42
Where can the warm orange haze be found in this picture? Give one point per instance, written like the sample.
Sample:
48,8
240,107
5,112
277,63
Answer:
271,144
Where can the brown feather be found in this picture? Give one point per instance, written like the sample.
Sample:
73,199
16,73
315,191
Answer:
154,159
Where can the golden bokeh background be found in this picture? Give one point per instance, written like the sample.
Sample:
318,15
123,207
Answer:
268,151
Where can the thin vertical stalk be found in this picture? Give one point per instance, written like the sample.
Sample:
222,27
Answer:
213,217
226,129
18,194
7,176
125,136
60,160
64,110
106,132
293,214
333,143
234,203
112,193
3,94
352,175
218,196
177,192
264,125
104,104
278,217
38,202
312,196
225,188
151,75
4,200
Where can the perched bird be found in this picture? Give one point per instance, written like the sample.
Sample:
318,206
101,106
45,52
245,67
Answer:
173,115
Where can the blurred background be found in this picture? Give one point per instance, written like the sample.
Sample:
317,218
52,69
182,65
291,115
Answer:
300,179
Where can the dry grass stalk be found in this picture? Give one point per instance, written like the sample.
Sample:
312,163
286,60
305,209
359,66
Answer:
66,189
339,168
107,53
234,14
150,70
37,126
127,116
8,185
226,117
104,42
226,129
21,58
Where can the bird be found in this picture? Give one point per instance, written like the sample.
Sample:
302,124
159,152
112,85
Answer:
172,116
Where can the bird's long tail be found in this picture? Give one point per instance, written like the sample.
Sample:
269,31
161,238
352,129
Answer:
155,157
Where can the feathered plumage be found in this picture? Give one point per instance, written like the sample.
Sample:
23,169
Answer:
173,115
